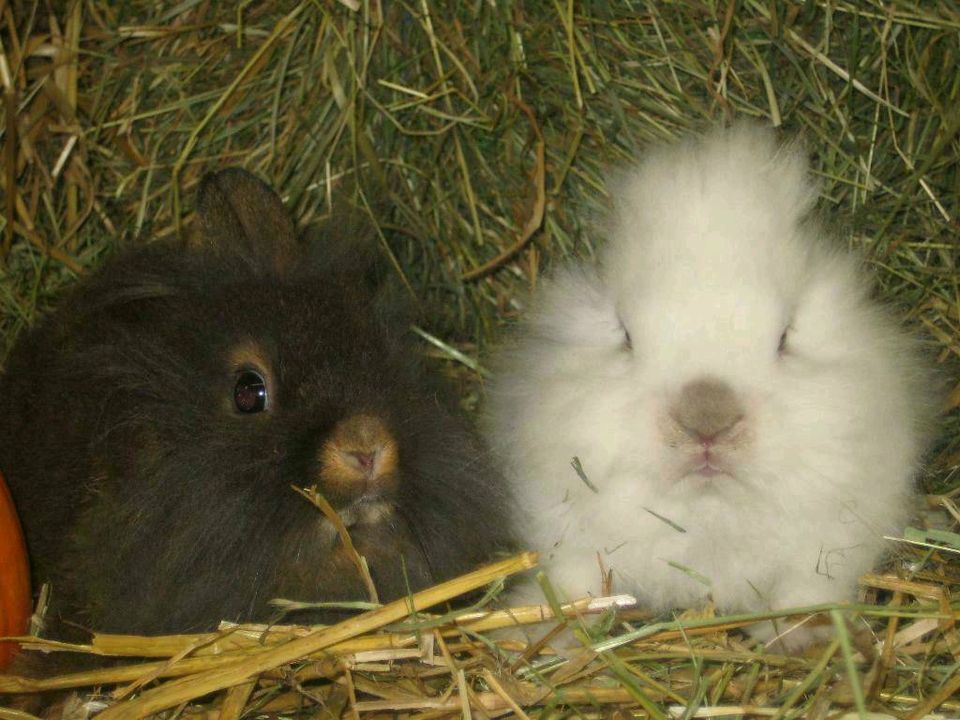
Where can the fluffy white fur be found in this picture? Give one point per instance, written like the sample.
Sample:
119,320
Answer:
711,256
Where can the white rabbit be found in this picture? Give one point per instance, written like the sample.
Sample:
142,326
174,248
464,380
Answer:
748,419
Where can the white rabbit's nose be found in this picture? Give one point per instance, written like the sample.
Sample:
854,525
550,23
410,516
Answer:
707,410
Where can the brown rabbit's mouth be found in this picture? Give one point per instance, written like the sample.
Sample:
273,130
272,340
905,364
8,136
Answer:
366,511
362,519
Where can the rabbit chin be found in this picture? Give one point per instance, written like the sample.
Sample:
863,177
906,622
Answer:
365,511
744,535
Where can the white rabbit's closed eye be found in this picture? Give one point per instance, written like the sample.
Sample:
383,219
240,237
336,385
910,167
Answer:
723,368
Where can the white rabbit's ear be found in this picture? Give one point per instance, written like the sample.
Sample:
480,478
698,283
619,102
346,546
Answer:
238,213
575,308
783,172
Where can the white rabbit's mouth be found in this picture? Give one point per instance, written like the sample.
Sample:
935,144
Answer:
705,467
709,470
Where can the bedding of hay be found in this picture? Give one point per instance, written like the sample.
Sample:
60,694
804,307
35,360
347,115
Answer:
477,133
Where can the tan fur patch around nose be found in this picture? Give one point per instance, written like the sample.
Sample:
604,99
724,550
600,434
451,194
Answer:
361,452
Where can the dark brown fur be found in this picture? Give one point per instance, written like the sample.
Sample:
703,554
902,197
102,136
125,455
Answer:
152,505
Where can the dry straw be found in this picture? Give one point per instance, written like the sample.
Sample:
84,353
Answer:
477,134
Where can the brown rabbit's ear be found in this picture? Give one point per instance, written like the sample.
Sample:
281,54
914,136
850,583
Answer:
239,213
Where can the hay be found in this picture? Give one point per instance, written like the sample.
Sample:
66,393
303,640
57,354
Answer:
437,666
478,134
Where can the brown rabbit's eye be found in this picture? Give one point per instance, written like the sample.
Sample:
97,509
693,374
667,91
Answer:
250,392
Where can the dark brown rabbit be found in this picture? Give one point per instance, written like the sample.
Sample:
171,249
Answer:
153,426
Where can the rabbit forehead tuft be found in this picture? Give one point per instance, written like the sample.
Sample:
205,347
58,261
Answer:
720,208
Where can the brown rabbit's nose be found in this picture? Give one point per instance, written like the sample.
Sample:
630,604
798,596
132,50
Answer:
365,460
706,409
359,458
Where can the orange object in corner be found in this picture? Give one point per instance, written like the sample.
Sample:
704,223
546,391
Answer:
14,577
